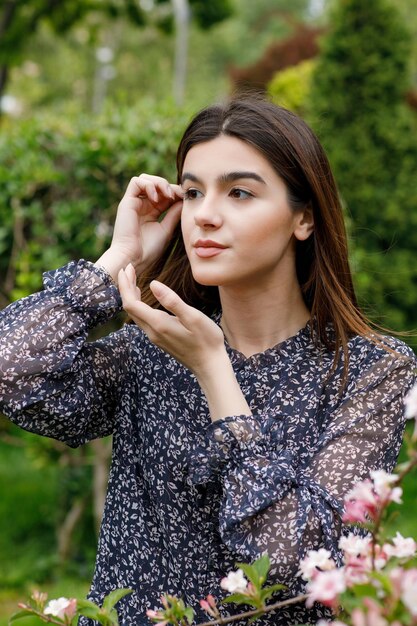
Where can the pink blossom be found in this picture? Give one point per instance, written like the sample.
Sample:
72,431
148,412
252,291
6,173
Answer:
384,486
409,590
326,587
157,615
372,617
357,511
363,491
367,497
314,561
352,545
234,582
361,503
403,547
62,608
410,402
357,570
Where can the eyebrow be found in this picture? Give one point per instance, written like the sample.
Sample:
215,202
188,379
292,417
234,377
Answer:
228,177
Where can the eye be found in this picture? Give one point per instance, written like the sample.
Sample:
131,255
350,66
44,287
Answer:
192,194
240,194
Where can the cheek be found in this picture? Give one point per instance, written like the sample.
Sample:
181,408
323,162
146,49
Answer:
186,229
270,236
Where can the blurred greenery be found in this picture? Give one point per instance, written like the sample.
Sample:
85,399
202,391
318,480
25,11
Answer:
84,126
291,88
359,110
60,184
354,95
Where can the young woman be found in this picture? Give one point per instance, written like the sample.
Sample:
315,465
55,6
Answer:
248,395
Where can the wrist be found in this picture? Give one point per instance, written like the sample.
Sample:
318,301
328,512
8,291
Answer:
219,385
113,260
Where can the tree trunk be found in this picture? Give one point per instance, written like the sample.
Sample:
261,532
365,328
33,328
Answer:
102,451
6,19
182,21
66,529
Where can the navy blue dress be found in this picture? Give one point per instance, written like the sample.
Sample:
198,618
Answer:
188,498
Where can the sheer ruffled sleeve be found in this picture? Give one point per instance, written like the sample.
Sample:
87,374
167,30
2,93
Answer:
52,381
283,503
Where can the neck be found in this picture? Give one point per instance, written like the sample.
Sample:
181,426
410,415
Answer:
256,319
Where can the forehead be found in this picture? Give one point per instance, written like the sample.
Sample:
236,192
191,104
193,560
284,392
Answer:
223,154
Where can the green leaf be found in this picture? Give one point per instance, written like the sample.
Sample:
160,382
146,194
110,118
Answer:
29,619
262,566
114,596
19,615
89,611
257,572
189,614
238,598
84,604
384,581
269,591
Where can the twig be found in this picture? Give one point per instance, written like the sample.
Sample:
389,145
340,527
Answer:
42,616
267,609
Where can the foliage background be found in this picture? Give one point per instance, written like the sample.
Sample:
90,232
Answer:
82,127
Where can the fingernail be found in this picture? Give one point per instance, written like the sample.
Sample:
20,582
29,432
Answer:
156,288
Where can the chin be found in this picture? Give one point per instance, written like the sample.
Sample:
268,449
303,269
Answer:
208,279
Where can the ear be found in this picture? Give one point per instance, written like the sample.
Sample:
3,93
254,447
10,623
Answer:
304,224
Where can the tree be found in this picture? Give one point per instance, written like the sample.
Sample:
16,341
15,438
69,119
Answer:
20,20
360,113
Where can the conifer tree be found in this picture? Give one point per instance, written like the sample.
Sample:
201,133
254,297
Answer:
360,114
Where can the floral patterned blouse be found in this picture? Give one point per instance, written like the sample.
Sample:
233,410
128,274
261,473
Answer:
188,498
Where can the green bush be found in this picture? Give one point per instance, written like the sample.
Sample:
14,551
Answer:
61,181
291,87
359,111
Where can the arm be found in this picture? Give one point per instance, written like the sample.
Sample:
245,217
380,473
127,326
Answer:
275,503
52,381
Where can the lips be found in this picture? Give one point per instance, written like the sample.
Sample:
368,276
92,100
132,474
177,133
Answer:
206,248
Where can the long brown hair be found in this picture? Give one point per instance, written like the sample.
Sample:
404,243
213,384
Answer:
322,264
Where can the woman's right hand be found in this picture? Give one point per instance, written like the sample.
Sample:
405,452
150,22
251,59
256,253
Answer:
139,237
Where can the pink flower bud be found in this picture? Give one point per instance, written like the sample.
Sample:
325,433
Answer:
39,598
212,601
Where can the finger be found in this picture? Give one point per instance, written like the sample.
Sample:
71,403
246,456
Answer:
163,187
171,301
155,323
141,187
129,291
178,191
171,218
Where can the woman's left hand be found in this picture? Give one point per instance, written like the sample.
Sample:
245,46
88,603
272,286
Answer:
188,335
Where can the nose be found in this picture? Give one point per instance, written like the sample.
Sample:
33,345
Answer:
208,215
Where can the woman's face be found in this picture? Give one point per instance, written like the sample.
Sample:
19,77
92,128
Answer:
237,225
